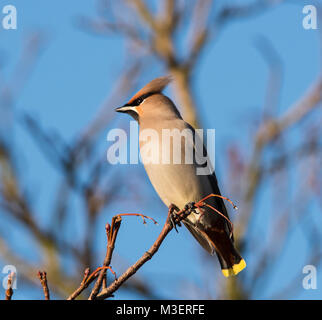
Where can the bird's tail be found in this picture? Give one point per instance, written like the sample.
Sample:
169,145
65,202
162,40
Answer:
230,260
222,243
231,268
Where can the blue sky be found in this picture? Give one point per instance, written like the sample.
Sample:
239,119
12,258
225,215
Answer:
76,70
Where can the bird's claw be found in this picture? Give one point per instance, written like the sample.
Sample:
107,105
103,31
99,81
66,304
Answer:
190,208
173,217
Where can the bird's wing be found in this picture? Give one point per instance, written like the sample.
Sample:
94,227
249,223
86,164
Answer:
219,203
200,236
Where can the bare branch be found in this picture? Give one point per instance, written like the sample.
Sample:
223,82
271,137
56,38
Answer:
9,291
168,226
84,284
42,275
293,115
111,232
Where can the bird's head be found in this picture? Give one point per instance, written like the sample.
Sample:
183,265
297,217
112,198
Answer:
149,102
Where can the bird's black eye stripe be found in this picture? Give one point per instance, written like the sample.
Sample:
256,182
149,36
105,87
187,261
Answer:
139,100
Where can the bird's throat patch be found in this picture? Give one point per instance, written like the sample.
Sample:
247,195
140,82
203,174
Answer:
139,110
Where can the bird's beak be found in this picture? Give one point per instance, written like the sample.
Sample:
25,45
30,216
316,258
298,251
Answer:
126,108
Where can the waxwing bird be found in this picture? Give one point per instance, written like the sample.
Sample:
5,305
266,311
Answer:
179,182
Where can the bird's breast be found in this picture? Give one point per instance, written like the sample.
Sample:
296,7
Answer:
170,166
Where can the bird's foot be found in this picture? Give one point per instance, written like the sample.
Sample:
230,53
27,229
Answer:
190,208
173,216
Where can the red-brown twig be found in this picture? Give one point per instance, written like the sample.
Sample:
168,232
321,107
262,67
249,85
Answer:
84,284
9,291
202,203
111,237
138,215
217,196
88,279
94,274
111,233
221,214
42,275
105,293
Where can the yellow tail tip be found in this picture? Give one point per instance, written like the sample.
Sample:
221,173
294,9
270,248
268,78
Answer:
235,269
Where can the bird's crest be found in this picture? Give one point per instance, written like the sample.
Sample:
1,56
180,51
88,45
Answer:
155,86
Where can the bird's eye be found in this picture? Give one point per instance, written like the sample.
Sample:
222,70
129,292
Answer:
138,101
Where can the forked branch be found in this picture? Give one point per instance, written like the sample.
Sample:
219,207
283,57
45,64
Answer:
100,291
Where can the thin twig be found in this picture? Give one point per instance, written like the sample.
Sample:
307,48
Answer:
42,275
111,232
105,293
82,286
9,291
